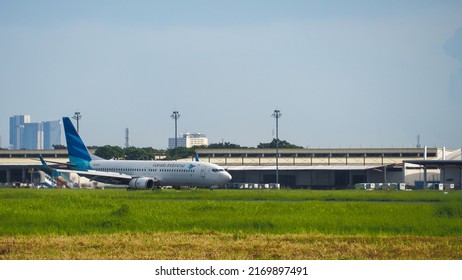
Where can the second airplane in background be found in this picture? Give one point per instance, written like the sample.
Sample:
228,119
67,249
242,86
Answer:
139,174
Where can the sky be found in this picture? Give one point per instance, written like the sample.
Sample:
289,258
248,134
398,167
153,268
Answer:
347,74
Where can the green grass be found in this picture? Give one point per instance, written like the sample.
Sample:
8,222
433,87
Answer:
353,212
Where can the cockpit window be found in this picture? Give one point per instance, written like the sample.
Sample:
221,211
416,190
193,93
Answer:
218,170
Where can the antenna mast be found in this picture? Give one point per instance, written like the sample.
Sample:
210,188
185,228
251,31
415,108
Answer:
127,137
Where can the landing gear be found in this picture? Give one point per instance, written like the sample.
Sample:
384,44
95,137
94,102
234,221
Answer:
185,187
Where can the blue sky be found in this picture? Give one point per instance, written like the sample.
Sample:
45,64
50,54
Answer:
343,73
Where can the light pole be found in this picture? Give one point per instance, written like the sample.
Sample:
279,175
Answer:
176,116
77,116
277,114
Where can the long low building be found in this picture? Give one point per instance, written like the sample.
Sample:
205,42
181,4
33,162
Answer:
297,168
328,168
315,176
16,166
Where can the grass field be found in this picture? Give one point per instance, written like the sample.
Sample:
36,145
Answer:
229,224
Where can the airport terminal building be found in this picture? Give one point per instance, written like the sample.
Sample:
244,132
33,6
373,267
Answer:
296,168
340,168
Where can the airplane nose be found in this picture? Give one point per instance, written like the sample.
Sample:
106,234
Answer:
227,177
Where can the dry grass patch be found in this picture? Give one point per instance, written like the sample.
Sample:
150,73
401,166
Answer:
179,246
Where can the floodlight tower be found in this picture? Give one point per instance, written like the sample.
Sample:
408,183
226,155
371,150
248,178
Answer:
176,116
277,114
77,116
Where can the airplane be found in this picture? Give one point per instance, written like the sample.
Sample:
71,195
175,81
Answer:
139,174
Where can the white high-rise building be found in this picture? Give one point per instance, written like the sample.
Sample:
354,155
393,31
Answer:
189,140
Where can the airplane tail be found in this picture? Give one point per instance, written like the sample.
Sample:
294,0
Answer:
54,172
44,164
79,155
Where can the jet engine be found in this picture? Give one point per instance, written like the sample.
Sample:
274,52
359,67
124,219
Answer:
141,183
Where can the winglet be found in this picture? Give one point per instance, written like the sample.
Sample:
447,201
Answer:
197,157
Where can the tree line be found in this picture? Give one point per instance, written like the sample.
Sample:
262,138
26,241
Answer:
149,153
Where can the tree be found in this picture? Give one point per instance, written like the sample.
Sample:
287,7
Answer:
59,147
182,152
151,153
225,145
282,144
148,153
132,153
108,152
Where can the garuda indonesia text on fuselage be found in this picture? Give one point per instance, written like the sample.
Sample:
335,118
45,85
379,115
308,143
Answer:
139,174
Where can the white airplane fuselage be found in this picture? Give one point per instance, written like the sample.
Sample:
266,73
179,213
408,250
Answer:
167,173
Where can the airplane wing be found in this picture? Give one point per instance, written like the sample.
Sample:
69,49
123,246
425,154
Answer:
55,163
103,177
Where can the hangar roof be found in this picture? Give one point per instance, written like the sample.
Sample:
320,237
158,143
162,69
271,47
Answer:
436,162
304,168
310,152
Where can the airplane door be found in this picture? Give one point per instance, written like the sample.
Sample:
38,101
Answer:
203,172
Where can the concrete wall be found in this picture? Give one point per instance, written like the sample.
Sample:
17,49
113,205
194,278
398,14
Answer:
452,175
